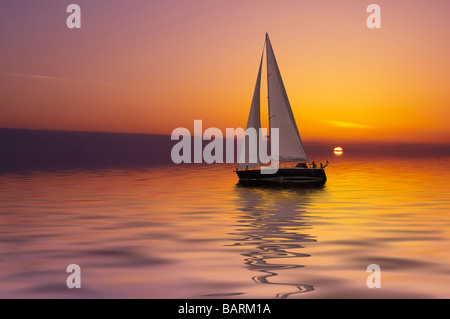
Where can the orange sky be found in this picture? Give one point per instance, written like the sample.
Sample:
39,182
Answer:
151,66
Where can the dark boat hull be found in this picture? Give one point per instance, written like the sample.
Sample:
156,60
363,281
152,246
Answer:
285,175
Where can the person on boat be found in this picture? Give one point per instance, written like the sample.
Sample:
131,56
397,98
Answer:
313,164
323,166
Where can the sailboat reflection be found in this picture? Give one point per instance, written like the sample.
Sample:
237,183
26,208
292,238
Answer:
273,227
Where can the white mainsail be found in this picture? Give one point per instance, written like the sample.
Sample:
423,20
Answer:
250,151
280,113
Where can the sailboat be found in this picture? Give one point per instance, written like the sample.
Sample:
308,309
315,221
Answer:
290,147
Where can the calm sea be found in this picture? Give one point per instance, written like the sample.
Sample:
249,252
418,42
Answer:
192,232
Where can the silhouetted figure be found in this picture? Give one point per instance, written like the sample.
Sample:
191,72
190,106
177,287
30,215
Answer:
313,165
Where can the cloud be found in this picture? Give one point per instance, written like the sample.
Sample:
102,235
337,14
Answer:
53,78
349,125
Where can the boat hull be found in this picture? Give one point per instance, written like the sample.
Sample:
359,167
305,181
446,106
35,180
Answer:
285,175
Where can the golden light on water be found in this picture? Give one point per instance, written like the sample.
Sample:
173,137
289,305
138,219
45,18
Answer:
338,151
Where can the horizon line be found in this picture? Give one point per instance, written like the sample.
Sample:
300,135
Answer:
312,141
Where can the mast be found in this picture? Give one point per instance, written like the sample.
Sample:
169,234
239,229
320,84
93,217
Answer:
268,91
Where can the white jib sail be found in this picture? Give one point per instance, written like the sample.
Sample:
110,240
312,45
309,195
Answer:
280,113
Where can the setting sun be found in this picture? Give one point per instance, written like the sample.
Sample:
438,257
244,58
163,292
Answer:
338,150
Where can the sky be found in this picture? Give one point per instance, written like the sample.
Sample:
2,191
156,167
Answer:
141,66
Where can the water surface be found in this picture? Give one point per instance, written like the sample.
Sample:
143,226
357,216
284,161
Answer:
192,232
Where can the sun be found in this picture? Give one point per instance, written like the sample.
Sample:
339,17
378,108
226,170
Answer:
338,151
